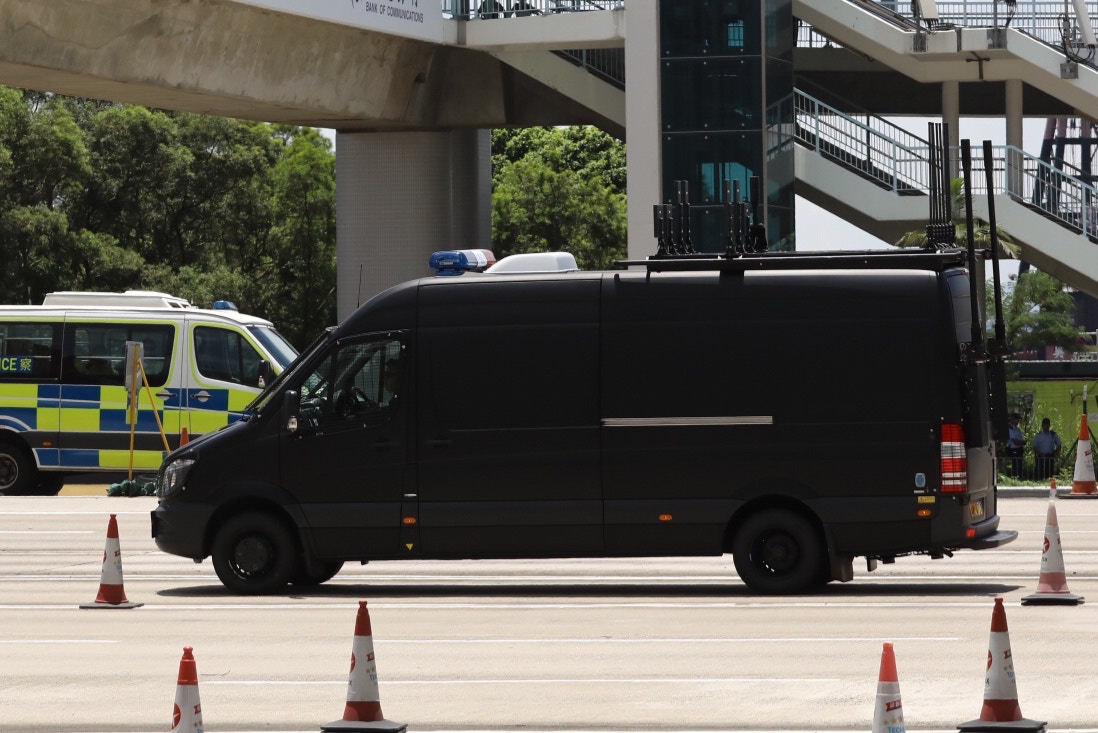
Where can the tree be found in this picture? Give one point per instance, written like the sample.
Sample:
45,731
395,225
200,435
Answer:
559,190
1038,312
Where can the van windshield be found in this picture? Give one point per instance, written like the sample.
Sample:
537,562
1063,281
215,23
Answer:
276,345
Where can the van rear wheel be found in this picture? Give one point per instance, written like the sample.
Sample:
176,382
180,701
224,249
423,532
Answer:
254,554
778,552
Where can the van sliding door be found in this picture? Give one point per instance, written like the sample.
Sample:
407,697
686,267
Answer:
508,418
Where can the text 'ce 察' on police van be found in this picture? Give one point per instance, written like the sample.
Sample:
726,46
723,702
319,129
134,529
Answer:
692,405
63,393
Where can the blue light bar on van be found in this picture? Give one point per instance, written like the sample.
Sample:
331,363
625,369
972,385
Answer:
224,305
460,261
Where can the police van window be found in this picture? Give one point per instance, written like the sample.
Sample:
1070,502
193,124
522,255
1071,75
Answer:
95,353
29,351
226,355
360,383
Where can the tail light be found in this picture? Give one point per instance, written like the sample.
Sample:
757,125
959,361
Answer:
954,459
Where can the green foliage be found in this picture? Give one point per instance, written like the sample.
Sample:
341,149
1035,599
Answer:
100,196
1038,312
559,189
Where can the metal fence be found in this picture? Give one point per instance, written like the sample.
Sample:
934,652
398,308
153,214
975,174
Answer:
1051,21
493,9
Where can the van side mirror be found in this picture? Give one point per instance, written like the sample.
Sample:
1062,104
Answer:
266,374
291,403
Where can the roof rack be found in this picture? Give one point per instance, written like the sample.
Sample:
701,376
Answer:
826,260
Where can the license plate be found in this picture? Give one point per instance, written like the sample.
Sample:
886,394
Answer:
976,509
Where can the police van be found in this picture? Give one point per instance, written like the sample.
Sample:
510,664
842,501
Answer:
794,410
63,389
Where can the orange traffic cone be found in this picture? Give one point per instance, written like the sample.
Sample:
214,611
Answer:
363,710
1084,484
187,712
111,593
1052,587
184,438
888,714
1001,710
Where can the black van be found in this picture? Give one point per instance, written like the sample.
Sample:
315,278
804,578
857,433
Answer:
793,410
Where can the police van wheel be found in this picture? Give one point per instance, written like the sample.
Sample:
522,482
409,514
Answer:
254,554
778,552
18,474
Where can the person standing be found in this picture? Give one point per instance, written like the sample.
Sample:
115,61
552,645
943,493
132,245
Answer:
1046,447
1016,445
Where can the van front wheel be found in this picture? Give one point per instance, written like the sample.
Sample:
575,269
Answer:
254,554
779,552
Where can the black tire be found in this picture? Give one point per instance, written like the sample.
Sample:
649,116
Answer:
329,568
254,554
49,484
18,474
779,552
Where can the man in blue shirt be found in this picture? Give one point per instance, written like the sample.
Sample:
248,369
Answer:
1047,447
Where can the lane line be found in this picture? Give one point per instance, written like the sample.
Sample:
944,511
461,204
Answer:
601,681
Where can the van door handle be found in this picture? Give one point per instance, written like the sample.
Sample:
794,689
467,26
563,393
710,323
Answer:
440,443
165,395
201,396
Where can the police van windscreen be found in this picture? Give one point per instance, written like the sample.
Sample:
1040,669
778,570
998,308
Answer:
277,346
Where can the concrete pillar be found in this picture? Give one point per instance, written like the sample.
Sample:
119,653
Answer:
1014,137
951,116
401,196
642,114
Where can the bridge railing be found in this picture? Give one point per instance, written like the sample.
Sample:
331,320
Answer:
896,160
493,9
1047,20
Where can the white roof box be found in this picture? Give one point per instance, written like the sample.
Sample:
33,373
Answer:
128,299
536,262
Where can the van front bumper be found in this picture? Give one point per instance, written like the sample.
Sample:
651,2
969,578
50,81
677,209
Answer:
180,529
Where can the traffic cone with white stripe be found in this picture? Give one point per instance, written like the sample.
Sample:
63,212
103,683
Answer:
111,593
187,711
363,709
888,714
1001,710
1052,587
1084,484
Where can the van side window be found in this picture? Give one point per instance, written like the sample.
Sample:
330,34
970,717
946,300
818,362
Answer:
29,351
226,355
359,383
95,353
